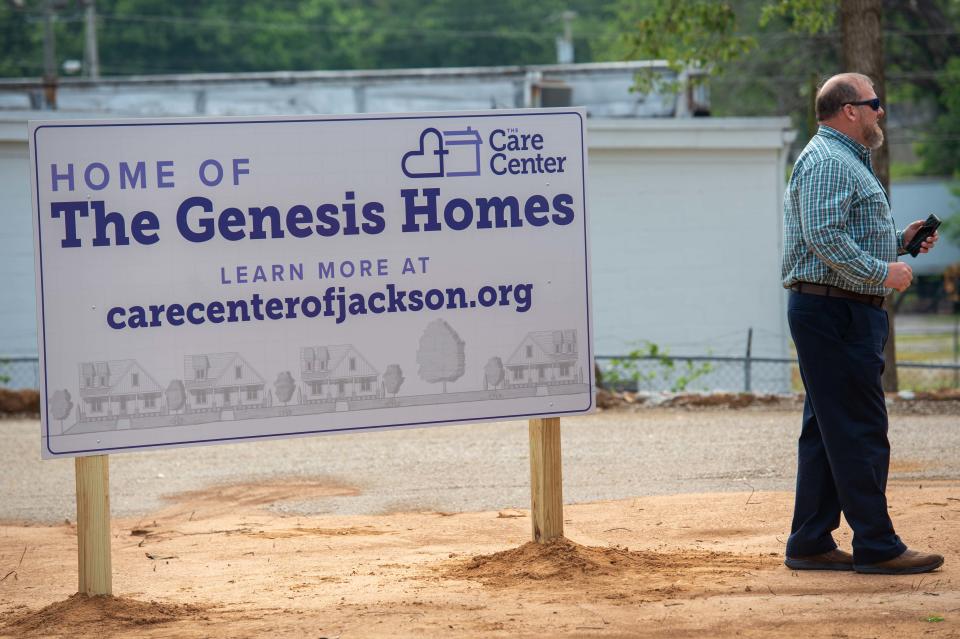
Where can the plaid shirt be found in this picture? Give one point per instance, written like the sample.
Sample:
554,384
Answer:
837,227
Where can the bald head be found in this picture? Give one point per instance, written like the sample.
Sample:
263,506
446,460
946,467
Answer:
841,88
844,104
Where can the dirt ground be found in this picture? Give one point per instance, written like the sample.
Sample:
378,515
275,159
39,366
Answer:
215,563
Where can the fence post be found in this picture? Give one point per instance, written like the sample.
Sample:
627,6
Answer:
746,362
956,349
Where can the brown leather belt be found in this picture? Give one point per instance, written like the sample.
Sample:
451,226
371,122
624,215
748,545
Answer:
832,291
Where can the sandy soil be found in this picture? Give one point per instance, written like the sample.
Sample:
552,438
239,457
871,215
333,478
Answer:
215,563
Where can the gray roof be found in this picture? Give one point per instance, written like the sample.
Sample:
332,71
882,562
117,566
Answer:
602,88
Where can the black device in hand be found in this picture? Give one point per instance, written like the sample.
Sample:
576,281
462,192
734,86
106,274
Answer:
927,229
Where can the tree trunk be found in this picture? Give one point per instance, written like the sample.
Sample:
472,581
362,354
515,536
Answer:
861,23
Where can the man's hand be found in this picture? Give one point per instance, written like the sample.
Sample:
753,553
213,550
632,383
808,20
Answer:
911,230
899,275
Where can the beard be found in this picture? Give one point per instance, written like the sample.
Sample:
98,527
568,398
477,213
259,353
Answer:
872,135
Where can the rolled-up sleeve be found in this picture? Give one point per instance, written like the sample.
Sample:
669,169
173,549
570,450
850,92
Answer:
826,191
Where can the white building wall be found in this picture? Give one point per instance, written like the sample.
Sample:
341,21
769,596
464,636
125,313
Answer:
18,326
686,234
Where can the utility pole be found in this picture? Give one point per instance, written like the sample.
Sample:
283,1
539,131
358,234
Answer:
565,42
49,55
91,57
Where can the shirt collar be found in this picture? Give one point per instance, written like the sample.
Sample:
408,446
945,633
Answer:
858,149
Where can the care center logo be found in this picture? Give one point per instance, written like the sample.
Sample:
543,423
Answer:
444,154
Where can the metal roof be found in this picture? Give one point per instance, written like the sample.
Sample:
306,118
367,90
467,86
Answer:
604,89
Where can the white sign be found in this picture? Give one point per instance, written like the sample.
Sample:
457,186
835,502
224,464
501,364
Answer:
215,280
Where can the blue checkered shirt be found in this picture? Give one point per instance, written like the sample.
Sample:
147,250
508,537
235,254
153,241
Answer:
837,227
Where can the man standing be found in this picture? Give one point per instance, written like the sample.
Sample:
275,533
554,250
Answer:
840,261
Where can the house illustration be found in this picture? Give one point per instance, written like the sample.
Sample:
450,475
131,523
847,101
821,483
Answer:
117,388
221,381
543,358
336,372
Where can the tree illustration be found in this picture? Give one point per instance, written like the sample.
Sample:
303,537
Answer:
441,354
493,372
61,405
284,387
393,379
176,395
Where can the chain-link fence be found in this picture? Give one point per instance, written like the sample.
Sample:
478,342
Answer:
19,372
744,374
675,373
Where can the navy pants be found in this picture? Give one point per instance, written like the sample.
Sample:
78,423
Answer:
844,454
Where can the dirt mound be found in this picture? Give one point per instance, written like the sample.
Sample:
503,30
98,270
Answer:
627,400
567,562
730,400
942,395
937,402
19,402
81,614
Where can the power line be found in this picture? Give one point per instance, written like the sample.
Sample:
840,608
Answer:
195,21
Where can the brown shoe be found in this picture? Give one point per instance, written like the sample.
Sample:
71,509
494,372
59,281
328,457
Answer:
836,559
910,562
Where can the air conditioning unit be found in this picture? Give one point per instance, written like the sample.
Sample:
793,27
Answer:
552,94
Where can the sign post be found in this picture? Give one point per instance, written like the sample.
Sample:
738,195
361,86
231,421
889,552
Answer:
546,480
93,525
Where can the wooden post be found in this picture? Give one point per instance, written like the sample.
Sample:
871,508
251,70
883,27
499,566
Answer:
93,525
546,481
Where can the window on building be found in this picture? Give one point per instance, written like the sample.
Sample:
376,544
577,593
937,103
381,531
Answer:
201,396
238,371
201,373
353,363
308,365
517,374
103,380
529,351
134,379
365,385
340,388
252,394
564,370
149,402
96,405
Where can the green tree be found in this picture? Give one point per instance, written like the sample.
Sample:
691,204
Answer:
19,44
941,150
686,34
155,36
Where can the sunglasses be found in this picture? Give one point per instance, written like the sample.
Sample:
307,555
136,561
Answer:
873,103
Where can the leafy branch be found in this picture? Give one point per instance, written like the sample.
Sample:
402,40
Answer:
687,35
630,369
